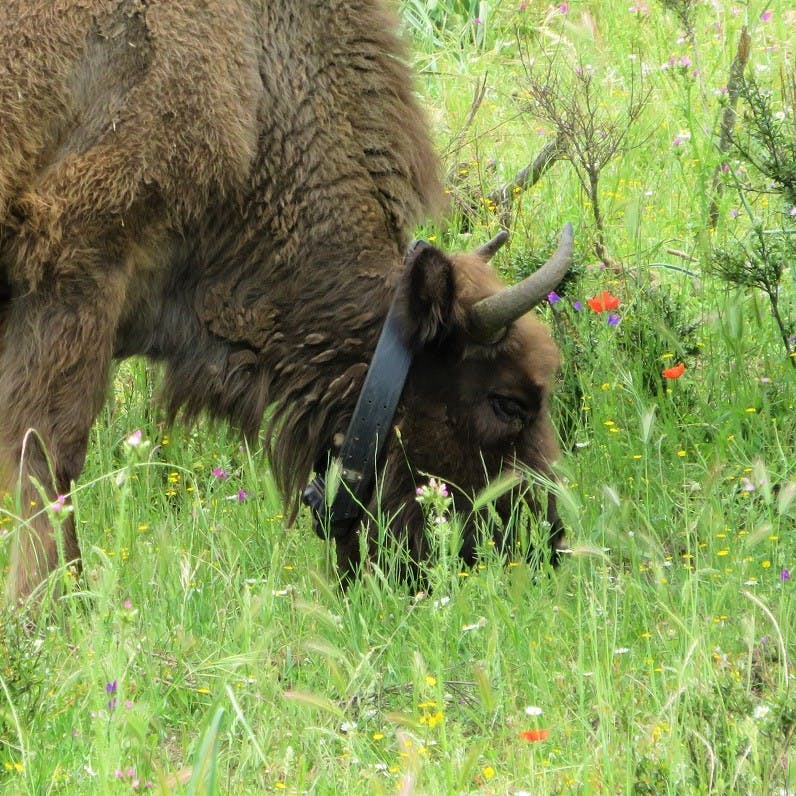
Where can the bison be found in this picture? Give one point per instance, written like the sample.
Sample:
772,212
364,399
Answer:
227,187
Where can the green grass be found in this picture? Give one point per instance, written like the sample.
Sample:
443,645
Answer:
659,657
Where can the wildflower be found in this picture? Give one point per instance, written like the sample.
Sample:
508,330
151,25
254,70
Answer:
110,690
577,306
760,711
242,495
59,503
766,16
434,489
613,319
134,440
784,575
220,473
488,772
674,372
564,8
681,138
684,60
128,604
532,710
553,297
532,736
603,302
432,719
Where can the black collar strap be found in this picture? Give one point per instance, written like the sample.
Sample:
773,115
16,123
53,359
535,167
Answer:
370,425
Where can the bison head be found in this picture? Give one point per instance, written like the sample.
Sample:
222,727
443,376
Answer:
475,405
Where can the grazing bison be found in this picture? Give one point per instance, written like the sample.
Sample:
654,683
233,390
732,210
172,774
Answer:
227,187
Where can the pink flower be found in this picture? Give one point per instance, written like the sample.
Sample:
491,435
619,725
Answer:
564,8
134,440
766,16
219,472
59,503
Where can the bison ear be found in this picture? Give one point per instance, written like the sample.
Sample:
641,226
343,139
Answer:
430,293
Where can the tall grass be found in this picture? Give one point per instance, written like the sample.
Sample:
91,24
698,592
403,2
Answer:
207,647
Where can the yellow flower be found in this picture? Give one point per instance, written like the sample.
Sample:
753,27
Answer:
488,772
432,719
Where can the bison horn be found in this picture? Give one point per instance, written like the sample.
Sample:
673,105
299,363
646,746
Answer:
490,316
487,251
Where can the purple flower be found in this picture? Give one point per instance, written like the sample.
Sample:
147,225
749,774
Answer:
785,574
684,60
613,319
766,16
219,472
577,306
564,8
110,690
242,495
553,297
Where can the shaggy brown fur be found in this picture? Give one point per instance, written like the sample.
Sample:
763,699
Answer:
227,186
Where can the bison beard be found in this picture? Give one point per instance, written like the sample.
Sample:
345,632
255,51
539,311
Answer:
227,187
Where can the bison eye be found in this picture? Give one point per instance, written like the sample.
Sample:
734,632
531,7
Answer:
508,409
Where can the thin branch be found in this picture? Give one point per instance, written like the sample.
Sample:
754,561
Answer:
503,197
727,126
479,93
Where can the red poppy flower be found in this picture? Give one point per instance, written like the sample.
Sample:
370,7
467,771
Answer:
535,735
603,302
674,372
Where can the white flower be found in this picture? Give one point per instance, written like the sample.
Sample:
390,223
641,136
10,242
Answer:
532,710
761,711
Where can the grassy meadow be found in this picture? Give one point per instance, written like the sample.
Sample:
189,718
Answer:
208,648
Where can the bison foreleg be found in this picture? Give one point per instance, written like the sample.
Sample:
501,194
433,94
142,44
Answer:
54,363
